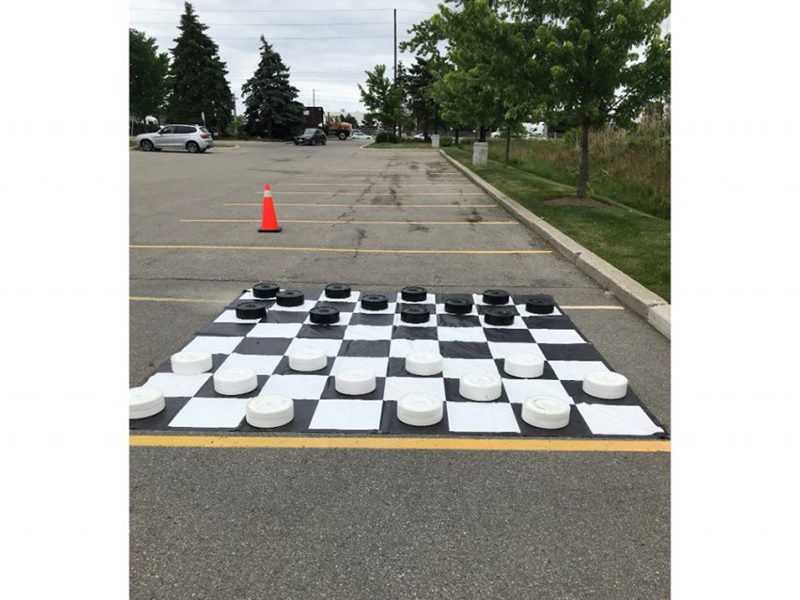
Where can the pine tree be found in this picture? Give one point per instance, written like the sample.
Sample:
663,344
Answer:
197,77
270,98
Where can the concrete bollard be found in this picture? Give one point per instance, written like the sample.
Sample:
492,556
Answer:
480,153
435,140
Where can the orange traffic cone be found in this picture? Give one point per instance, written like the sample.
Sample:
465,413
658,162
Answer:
269,222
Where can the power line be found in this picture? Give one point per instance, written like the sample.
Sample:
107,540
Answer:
271,39
272,24
281,10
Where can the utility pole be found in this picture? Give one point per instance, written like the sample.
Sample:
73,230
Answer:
397,126
313,97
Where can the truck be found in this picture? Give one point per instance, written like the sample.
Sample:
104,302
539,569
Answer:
315,117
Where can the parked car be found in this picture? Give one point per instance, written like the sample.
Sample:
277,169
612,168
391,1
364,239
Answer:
311,137
360,135
192,138
420,137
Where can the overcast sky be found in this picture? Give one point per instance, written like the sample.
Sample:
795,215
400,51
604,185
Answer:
340,39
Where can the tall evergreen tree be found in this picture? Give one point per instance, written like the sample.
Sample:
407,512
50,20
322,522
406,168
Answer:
147,75
197,77
270,98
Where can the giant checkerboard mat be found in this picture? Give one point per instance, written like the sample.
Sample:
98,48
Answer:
380,341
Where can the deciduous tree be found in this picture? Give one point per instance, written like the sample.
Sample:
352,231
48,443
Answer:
147,75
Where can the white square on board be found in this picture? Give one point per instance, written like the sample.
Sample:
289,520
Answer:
604,419
229,316
211,412
173,385
461,334
453,368
261,364
402,347
368,332
397,387
346,415
297,387
479,417
275,330
506,349
518,390
330,346
557,336
576,370
215,344
377,364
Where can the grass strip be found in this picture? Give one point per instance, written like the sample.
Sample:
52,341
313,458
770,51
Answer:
636,243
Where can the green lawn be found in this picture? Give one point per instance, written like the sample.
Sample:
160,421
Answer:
636,243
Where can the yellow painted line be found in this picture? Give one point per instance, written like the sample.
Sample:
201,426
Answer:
279,185
341,222
348,250
456,193
403,205
400,443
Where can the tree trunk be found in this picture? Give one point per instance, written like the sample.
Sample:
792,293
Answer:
436,119
456,136
508,142
583,176
482,134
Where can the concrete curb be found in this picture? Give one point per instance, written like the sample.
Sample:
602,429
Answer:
630,292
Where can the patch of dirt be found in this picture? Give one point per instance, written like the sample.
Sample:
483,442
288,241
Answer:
572,201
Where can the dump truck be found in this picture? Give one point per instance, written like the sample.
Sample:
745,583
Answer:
315,117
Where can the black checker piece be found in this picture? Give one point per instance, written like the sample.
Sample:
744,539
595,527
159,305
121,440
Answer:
290,298
265,290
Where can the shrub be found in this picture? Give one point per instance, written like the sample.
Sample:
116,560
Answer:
445,141
386,136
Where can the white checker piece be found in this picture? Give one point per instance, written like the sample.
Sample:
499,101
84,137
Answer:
397,387
262,365
297,387
456,367
603,419
215,344
379,365
460,334
275,330
331,347
506,349
471,417
211,412
368,332
177,386
347,415
557,336
401,348
518,390
575,370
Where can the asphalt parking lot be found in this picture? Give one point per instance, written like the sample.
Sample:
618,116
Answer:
335,523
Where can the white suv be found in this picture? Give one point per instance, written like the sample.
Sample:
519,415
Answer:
192,138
